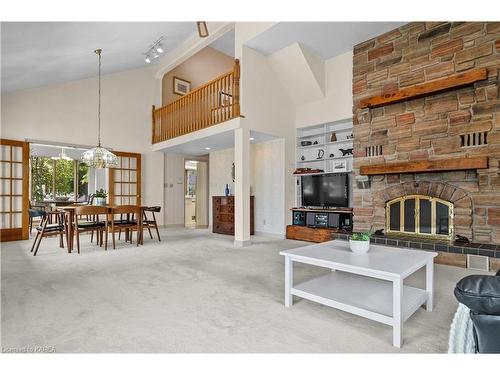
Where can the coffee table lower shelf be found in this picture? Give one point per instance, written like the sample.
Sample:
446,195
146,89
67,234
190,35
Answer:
360,295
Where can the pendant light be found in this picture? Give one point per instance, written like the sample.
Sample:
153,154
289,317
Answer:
99,157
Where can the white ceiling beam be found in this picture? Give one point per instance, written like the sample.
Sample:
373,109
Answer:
190,47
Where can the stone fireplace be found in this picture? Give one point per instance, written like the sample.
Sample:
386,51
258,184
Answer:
451,126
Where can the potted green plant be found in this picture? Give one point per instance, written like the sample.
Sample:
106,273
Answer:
100,197
359,242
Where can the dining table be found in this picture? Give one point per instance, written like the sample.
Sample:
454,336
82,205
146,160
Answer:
69,215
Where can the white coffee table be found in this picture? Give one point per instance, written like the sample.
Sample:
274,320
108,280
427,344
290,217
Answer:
368,285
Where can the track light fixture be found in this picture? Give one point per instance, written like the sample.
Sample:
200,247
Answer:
154,51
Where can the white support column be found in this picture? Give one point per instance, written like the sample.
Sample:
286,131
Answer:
242,187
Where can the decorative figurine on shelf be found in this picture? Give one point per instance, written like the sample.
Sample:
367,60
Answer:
333,137
332,155
345,152
302,158
226,190
315,143
321,153
350,136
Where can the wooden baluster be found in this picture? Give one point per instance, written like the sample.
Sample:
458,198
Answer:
232,95
171,115
223,99
177,119
168,122
195,111
236,94
226,90
165,125
189,114
218,101
153,138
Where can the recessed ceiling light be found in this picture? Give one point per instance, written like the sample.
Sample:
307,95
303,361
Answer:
252,138
207,148
159,49
147,60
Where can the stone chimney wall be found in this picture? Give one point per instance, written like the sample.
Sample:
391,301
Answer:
433,127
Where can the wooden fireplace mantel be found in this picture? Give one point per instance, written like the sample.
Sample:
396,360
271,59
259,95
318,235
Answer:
455,164
432,87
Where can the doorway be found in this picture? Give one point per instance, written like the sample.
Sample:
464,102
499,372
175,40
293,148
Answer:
196,193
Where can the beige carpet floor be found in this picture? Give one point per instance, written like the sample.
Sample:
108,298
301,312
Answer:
192,292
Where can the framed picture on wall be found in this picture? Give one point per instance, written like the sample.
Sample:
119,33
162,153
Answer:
181,86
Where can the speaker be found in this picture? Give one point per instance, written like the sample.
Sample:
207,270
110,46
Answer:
310,219
321,220
299,218
333,220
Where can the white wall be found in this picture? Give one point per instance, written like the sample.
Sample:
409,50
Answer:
174,189
266,183
67,113
337,103
268,108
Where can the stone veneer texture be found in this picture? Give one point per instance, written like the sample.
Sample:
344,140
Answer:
430,127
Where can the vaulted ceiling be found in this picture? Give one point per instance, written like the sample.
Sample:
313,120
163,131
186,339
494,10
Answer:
41,53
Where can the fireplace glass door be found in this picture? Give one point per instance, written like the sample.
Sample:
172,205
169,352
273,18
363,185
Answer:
420,215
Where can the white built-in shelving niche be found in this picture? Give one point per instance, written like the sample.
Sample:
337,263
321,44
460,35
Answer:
332,160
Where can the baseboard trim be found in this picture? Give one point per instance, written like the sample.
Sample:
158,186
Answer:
273,235
238,243
171,226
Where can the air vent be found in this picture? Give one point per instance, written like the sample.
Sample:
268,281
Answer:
478,262
374,150
474,139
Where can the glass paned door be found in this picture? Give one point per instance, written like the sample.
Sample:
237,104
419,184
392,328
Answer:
14,190
125,180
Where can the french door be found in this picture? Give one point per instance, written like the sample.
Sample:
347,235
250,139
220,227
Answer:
14,190
125,180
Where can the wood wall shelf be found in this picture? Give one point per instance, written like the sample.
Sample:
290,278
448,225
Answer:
455,164
433,87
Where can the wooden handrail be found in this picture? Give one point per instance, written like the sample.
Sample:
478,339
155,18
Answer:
216,101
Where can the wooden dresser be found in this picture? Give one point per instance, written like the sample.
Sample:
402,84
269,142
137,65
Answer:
223,215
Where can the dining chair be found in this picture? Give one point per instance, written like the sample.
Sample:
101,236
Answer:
151,223
95,224
48,229
127,222
34,212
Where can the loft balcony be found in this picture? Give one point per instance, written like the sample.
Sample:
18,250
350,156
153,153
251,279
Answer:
215,102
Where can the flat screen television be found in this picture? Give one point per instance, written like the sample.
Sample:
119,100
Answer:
328,190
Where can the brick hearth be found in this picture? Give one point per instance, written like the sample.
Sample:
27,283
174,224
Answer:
432,127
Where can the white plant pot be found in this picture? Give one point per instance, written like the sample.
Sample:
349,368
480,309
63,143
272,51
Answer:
359,247
99,201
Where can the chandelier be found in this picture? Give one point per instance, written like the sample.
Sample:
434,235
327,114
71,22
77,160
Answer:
99,157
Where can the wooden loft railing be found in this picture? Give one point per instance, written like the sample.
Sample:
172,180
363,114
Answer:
215,102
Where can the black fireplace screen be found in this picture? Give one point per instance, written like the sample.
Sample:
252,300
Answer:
420,215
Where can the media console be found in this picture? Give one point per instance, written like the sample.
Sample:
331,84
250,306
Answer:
317,224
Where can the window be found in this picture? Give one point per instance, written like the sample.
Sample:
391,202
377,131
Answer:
190,177
420,215
65,180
